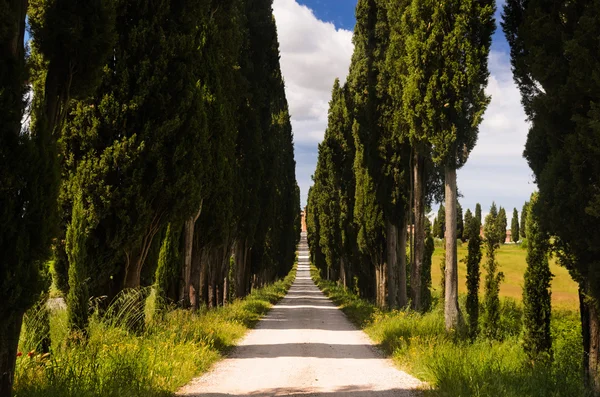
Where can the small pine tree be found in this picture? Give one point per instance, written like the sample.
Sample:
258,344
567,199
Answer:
169,267
473,276
478,213
493,278
502,224
441,222
77,299
537,340
514,226
467,233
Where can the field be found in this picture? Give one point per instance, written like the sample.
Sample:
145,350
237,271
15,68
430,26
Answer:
512,262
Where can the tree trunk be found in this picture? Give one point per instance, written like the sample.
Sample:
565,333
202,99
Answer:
392,263
135,258
10,329
189,288
195,284
402,290
452,315
343,280
241,268
419,231
590,327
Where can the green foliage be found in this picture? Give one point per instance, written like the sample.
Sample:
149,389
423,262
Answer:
169,266
478,213
537,340
419,344
174,348
514,227
491,315
78,297
36,327
426,297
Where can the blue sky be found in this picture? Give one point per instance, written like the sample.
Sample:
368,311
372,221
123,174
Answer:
315,44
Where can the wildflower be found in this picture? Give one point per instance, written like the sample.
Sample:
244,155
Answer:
30,354
19,354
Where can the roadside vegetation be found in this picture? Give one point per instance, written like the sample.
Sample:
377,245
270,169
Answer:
455,366
173,347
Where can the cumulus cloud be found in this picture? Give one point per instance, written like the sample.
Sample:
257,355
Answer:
313,54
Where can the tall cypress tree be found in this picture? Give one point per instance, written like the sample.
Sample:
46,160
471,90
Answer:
68,40
441,222
562,103
136,149
514,226
447,74
537,304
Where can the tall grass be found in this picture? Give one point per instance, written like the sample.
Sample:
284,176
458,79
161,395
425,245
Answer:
419,344
153,360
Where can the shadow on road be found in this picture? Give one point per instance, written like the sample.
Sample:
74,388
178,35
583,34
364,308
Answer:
341,392
315,350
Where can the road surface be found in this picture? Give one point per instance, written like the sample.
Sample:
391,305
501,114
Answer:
305,346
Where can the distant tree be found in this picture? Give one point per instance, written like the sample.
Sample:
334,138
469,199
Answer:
502,224
493,232
473,275
468,232
478,214
441,223
537,339
459,222
514,227
523,226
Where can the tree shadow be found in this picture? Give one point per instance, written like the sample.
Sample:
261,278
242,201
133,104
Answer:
314,350
347,391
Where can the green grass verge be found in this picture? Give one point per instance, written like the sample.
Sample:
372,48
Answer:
419,345
174,348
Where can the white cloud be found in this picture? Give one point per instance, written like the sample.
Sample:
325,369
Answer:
313,54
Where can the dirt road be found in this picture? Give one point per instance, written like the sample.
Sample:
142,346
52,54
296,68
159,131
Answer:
305,346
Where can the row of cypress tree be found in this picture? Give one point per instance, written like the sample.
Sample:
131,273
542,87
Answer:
162,131
399,128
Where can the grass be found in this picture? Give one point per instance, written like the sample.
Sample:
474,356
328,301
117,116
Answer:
453,367
512,261
175,347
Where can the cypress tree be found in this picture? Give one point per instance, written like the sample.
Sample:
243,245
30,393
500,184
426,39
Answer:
473,275
523,226
502,224
72,34
78,297
441,222
169,265
380,161
561,101
514,226
469,229
136,149
478,213
537,304
493,231
445,98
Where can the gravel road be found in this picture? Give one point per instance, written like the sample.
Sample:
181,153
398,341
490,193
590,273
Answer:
305,346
